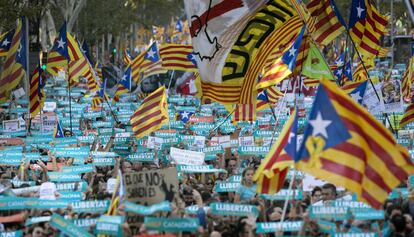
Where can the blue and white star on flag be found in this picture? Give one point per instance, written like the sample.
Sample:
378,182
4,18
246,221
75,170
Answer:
319,126
61,43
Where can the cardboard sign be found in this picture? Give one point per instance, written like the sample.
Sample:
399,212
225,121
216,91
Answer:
11,125
391,94
151,187
186,157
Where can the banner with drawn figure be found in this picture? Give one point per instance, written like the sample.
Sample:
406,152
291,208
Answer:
151,187
391,94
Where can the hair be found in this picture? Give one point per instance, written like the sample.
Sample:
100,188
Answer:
244,173
399,223
316,189
330,186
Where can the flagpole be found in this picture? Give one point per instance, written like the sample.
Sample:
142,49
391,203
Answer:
70,100
278,113
110,109
369,78
27,77
214,129
282,219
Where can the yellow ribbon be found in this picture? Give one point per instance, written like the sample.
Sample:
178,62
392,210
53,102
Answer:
315,146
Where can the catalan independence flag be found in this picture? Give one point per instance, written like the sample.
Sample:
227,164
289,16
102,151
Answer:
152,63
272,171
124,85
151,114
65,49
408,116
58,132
177,57
37,95
15,65
344,144
366,27
407,79
283,66
5,42
328,23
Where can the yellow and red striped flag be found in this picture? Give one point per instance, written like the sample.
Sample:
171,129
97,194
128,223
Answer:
76,69
408,116
272,171
366,27
37,95
5,42
65,49
344,144
178,57
327,21
15,66
407,79
151,114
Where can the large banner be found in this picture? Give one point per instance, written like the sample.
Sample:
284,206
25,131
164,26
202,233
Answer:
151,187
186,157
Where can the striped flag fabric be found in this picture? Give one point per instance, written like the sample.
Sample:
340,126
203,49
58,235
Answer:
244,112
127,57
124,85
152,63
5,42
65,49
283,66
408,116
76,69
302,54
136,64
366,27
98,69
328,24
178,57
407,79
345,145
37,95
151,114
15,65
272,171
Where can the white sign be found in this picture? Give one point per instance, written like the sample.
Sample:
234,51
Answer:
11,125
49,106
48,123
47,191
224,141
246,141
18,93
154,142
199,141
371,101
186,157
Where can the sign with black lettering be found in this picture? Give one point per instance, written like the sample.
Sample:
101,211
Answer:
151,187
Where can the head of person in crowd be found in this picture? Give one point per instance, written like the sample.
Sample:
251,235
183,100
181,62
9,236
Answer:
316,194
232,167
247,177
126,167
328,192
398,224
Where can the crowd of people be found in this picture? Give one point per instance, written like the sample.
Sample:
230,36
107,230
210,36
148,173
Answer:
195,194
